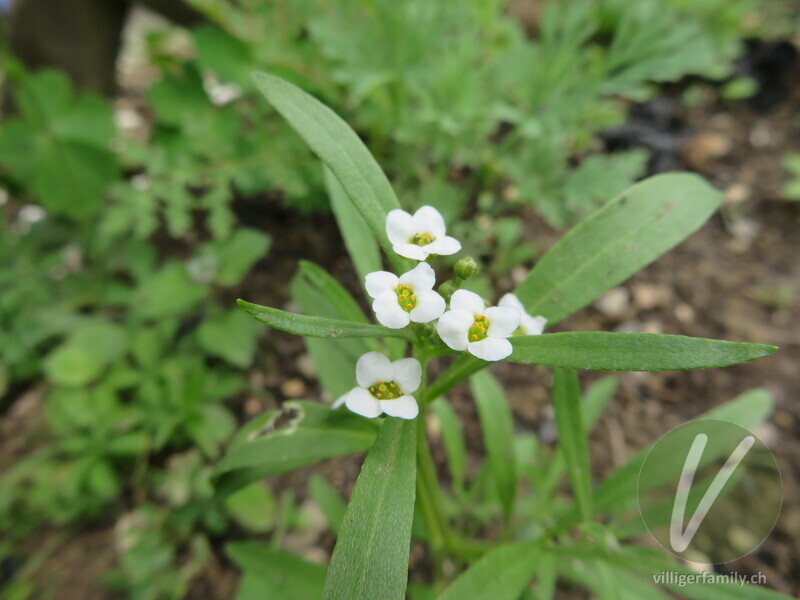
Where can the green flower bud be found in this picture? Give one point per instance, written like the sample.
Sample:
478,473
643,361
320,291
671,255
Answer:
467,267
447,289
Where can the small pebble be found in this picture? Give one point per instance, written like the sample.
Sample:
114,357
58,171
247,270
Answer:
684,313
614,303
293,388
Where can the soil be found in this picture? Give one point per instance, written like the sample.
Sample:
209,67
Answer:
738,278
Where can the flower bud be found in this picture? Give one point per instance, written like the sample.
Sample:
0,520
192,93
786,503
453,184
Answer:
447,289
467,267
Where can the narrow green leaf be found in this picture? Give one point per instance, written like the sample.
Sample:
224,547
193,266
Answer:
326,296
596,398
253,507
571,437
328,500
340,148
311,432
358,238
316,326
610,582
271,573
621,238
454,444
618,492
546,577
607,351
501,574
497,426
318,293
370,559
650,562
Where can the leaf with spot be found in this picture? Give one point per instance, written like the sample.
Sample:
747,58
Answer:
278,442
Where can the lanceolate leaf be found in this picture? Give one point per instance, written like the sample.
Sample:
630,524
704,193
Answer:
606,351
316,326
649,562
501,574
340,148
619,491
311,432
370,559
318,293
358,238
454,444
623,237
571,436
497,426
325,296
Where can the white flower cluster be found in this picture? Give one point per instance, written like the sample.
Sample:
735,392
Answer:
386,387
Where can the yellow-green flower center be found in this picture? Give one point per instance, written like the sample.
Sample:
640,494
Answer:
478,330
405,297
421,239
385,390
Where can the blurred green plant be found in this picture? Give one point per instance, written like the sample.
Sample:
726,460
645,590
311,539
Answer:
791,190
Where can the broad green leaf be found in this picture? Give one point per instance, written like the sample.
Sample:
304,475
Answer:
167,293
253,507
236,255
228,56
88,350
316,326
278,442
621,238
370,559
272,573
501,574
328,500
58,145
608,351
229,336
358,238
572,437
453,439
497,426
619,490
340,148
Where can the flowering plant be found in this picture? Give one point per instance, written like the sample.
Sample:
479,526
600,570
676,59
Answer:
380,372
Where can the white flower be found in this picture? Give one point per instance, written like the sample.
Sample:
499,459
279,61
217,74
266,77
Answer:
468,325
419,236
385,387
528,325
409,297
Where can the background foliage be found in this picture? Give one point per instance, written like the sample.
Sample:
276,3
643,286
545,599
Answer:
121,258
